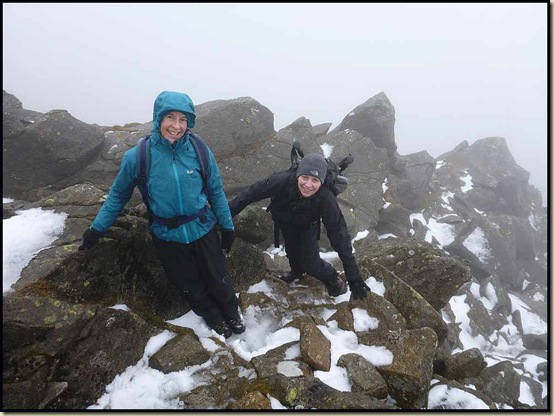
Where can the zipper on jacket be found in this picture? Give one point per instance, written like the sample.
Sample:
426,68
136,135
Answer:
179,195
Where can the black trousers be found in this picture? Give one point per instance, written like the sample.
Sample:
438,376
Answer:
198,269
302,250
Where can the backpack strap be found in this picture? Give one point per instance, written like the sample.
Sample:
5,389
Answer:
345,162
143,163
296,155
201,149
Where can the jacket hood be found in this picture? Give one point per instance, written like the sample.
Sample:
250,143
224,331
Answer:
168,101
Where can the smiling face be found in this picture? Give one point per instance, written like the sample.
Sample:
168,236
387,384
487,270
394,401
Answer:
173,126
308,185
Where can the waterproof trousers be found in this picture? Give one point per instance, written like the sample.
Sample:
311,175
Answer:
302,248
198,269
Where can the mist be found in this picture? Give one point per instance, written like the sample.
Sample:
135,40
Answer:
453,71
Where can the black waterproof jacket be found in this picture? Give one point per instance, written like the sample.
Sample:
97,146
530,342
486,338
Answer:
289,208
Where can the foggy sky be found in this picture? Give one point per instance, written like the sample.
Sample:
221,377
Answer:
453,71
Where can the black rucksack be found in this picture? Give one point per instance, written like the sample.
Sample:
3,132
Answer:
334,181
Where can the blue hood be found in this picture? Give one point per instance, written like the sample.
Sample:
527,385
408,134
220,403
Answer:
168,101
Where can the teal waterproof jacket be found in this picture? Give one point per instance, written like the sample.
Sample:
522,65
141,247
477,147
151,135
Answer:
174,182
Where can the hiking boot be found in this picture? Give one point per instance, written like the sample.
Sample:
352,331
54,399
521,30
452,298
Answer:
237,326
223,329
337,287
289,277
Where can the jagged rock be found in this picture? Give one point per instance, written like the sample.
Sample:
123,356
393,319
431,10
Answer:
468,363
120,269
305,319
246,265
9,209
228,126
481,321
413,307
536,391
450,219
311,393
394,219
220,385
365,177
542,369
80,195
452,340
321,129
444,384
491,287
373,119
516,320
300,130
344,317
390,319
412,182
419,230
46,147
123,268
180,352
113,340
315,348
410,373
363,376
254,225
275,362
535,341
491,166
423,266
505,241
15,119
532,354
257,299
252,401
36,330
27,394
501,382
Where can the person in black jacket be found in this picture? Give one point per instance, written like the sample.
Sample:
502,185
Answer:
298,202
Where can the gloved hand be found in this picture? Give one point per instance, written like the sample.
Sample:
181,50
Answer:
227,238
358,289
357,286
90,238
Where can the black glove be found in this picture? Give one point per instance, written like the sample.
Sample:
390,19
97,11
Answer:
90,238
357,286
227,238
358,289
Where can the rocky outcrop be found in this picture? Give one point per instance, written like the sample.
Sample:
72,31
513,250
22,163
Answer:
43,151
232,126
64,341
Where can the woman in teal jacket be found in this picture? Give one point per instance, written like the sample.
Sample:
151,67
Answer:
189,249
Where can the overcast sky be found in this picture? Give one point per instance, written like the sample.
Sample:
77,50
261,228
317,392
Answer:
453,72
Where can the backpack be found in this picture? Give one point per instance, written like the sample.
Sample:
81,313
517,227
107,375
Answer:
334,181
143,163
